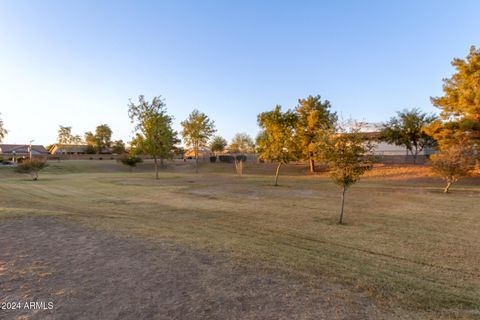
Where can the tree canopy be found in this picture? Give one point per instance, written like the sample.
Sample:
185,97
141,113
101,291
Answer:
408,129
64,135
217,144
453,162
154,133
314,120
277,141
348,156
241,143
198,128
3,131
460,103
103,136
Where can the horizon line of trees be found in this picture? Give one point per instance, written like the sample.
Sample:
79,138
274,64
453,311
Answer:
312,132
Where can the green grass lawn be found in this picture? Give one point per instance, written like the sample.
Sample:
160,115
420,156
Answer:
405,243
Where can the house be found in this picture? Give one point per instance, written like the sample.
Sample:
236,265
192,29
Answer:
202,153
59,149
20,150
388,152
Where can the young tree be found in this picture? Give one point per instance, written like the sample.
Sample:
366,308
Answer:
314,120
348,156
241,144
408,129
103,137
453,163
277,141
460,104
155,135
31,166
197,130
217,144
3,131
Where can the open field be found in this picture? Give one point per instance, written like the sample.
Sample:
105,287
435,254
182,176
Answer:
407,247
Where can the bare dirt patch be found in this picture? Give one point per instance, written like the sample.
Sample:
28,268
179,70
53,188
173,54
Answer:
90,274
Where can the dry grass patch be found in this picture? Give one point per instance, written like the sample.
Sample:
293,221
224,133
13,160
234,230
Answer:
405,243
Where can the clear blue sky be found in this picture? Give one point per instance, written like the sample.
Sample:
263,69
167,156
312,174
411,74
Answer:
76,63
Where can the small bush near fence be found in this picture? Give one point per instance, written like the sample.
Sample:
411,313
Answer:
227,159
241,158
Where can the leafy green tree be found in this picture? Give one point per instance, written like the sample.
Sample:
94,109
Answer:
217,144
118,147
154,133
348,157
31,166
408,129
197,130
460,104
103,137
277,142
3,131
315,119
454,162
241,144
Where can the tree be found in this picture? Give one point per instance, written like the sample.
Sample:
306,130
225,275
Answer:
64,135
3,131
31,166
277,141
118,147
217,144
153,126
197,130
348,156
460,104
241,143
408,129
91,141
103,137
314,120
453,163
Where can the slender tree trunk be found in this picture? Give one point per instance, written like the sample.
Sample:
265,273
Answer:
161,163
196,161
447,188
340,221
312,165
276,174
156,167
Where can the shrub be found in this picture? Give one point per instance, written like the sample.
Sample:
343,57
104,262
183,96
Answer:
241,158
228,159
130,160
32,167
89,149
453,163
213,159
